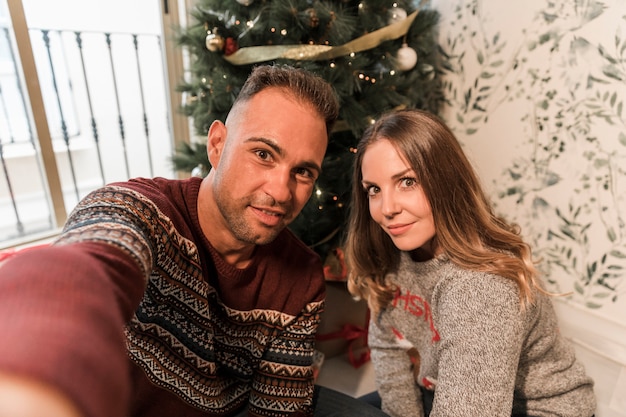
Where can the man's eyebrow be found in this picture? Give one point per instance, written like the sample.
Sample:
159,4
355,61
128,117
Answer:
313,166
280,151
272,144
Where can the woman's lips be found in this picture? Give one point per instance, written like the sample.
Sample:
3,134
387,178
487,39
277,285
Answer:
398,229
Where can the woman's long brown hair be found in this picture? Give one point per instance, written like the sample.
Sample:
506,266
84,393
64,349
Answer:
467,230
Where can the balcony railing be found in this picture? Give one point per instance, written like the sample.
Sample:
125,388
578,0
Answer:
105,96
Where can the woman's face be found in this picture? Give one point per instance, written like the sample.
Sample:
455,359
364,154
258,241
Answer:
396,201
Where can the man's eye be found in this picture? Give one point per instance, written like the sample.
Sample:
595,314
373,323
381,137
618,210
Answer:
305,173
263,154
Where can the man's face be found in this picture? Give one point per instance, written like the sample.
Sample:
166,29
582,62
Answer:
265,163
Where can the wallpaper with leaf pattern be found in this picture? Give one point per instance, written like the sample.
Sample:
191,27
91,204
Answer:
536,93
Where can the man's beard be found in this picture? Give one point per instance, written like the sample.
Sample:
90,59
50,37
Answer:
234,212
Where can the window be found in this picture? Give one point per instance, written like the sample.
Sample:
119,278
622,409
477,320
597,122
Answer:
86,98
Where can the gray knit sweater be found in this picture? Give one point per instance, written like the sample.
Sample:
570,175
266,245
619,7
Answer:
481,353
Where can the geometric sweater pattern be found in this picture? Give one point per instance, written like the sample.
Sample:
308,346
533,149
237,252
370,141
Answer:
216,337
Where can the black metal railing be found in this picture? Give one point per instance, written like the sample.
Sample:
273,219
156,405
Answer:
105,97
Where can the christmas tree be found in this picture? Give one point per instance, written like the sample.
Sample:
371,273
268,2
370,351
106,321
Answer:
378,55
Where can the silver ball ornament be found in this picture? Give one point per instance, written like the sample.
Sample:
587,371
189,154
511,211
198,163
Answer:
396,14
406,58
199,171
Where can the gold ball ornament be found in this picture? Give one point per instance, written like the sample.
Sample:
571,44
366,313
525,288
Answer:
314,21
214,42
406,58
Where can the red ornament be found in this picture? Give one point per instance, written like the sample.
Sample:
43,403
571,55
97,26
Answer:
231,46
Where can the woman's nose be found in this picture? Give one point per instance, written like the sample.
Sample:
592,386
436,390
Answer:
390,205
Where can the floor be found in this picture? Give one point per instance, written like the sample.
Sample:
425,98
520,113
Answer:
336,371
339,374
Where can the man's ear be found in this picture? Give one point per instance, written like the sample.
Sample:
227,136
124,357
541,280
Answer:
215,142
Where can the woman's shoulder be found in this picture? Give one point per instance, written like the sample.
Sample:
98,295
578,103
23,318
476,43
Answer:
456,276
475,290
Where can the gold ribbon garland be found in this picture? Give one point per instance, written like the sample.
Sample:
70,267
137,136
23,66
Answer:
255,54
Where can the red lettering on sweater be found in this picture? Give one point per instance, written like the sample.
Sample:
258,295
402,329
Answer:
418,307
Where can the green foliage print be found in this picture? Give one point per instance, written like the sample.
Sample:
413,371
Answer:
566,185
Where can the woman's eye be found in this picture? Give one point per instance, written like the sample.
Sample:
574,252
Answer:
408,182
372,190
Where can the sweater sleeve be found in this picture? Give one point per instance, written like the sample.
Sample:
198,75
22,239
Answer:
63,307
480,324
395,380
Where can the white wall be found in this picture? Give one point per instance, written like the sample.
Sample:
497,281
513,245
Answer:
536,96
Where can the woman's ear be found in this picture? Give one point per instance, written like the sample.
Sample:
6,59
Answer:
215,142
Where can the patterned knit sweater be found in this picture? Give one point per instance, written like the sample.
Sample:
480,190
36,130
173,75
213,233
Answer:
133,287
480,353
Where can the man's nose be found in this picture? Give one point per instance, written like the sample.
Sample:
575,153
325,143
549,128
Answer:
279,184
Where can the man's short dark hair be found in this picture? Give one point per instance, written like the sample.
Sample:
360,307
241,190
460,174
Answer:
303,84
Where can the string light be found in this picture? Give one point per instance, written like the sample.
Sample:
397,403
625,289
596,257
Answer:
364,72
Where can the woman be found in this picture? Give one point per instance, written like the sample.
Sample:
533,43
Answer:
444,276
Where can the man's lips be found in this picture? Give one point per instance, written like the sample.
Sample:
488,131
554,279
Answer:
269,217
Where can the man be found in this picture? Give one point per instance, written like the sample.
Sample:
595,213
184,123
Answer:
217,301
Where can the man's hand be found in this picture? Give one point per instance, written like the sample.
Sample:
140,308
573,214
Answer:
22,397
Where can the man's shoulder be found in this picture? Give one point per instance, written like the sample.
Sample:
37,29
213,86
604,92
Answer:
148,186
167,195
